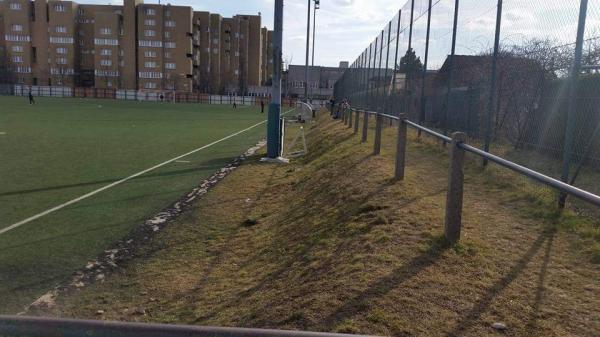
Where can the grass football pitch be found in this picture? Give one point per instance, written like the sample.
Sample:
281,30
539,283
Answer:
60,149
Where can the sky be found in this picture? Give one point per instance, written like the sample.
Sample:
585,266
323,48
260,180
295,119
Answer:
346,27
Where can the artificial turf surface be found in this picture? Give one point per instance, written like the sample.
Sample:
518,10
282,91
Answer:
60,149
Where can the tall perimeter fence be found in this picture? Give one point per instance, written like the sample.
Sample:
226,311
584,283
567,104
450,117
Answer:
520,78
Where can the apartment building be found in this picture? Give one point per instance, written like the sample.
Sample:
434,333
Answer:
135,46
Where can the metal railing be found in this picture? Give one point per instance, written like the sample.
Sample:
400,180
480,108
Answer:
20,326
456,170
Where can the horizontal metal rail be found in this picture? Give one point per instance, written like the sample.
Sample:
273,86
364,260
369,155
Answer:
544,179
20,326
390,116
429,131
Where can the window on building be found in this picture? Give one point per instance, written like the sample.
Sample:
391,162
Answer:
61,50
168,13
105,31
149,53
106,42
15,6
167,55
215,41
61,60
170,45
150,85
106,52
149,33
170,65
121,52
150,22
106,63
149,43
81,33
167,35
60,8
17,28
150,11
109,83
60,29
149,74
170,23
17,59
17,49
150,64
17,38
80,11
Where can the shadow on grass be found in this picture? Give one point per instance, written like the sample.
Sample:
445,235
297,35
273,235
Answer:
468,320
532,325
384,285
213,164
101,227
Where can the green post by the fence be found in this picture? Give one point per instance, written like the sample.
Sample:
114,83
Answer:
454,194
365,126
400,148
378,129
356,120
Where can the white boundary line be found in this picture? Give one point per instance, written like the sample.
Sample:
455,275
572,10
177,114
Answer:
118,182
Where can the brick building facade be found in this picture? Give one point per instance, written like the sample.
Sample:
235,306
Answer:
135,46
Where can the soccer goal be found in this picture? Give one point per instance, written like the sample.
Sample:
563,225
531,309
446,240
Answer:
293,138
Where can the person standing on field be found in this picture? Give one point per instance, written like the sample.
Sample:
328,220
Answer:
235,105
31,100
262,106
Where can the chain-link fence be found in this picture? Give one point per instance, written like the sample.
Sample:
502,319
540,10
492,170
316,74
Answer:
520,78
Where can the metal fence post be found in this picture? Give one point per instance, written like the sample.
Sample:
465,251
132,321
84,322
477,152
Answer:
451,68
572,108
365,126
356,119
490,107
424,74
401,148
378,129
379,99
454,194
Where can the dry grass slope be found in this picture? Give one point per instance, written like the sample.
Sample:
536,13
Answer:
331,243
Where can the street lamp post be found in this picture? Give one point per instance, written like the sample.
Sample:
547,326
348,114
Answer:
317,6
307,54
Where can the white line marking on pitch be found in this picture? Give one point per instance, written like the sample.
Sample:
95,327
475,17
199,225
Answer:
2,133
119,182
182,161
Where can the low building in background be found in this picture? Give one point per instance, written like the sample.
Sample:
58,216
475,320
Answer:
135,46
320,81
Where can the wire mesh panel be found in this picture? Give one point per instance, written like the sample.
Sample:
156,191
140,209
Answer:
505,72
